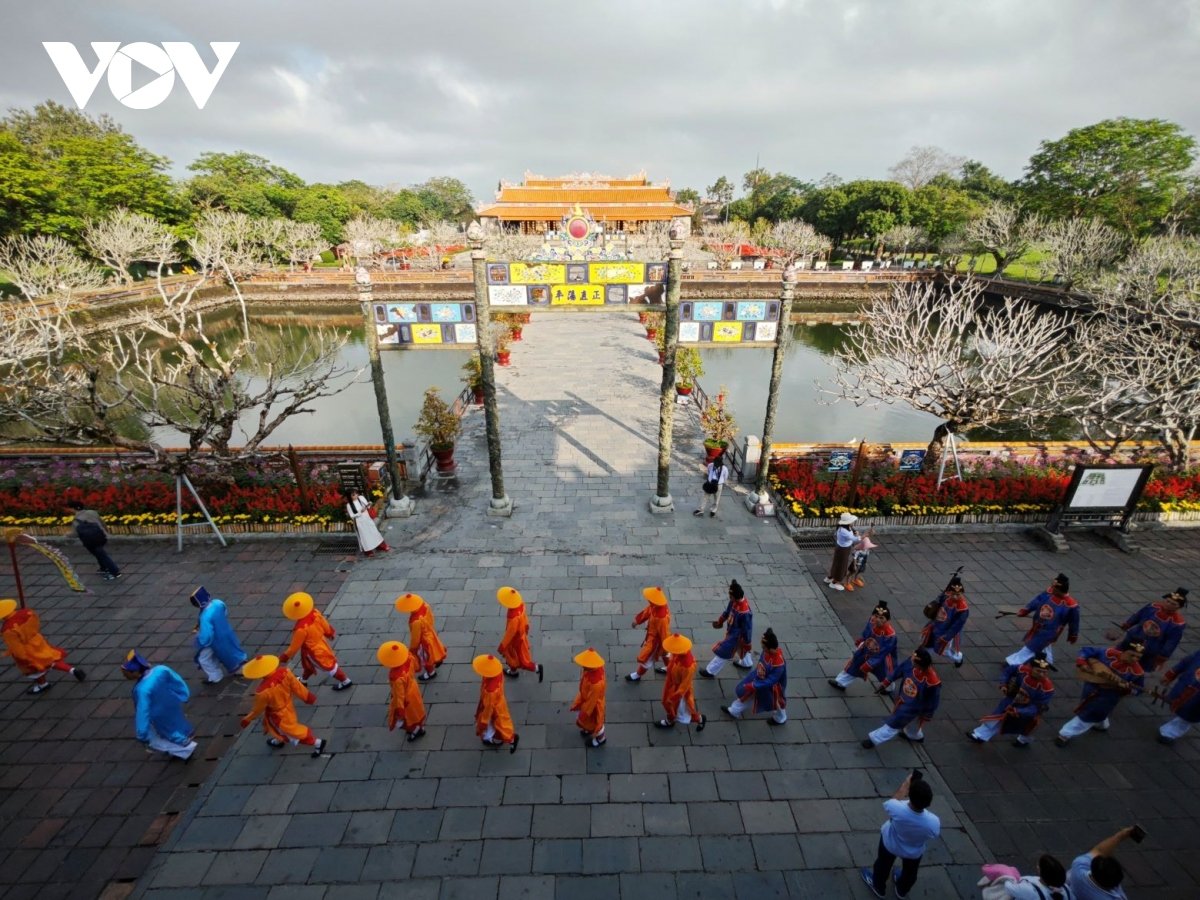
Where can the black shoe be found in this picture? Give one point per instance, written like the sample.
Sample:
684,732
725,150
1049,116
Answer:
318,747
416,735
958,664
833,684
697,512
541,672
1021,745
427,676
491,743
912,740
971,737
725,709
516,740
703,722
600,741
632,679
704,673
79,674
38,688
868,744
1164,740
273,742
663,723
342,685
712,514
661,670
771,721
511,673
1060,741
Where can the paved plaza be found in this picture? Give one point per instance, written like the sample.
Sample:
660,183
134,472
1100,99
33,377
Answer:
739,810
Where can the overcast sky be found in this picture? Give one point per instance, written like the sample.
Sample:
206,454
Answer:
395,92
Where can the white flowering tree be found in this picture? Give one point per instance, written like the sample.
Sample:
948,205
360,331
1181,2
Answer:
793,239
1005,231
722,240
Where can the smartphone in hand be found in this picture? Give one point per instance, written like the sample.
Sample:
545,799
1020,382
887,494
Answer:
1138,834
917,775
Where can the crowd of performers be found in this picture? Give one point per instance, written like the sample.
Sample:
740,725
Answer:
1144,643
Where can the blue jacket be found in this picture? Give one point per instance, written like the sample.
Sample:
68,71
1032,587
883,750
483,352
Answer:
919,695
1021,712
1050,616
768,682
1097,700
216,632
1184,696
158,700
1158,629
876,650
739,626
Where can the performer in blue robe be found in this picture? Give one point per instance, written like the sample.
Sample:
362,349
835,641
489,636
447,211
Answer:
943,635
1027,694
874,651
1160,626
739,628
916,701
764,689
1184,698
1052,610
217,649
158,699
1099,700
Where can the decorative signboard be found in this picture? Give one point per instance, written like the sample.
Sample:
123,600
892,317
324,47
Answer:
729,321
576,283
449,322
912,460
841,460
1101,495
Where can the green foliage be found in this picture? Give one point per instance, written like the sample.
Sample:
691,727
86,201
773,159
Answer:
717,421
983,185
940,209
445,198
473,373
327,206
688,365
437,421
243,182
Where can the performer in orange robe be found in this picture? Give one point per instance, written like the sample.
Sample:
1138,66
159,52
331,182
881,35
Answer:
679,698
310,638
514,646
273,701
423,642
589,702
406,707
22,633
493,723
657,617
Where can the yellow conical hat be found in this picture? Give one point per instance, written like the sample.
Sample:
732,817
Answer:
487,665
260,666
509,597
677,643
7,608
589,659
392,654
655,596
409,603
298,605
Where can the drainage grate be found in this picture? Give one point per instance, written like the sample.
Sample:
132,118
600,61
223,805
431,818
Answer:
338,546
811,541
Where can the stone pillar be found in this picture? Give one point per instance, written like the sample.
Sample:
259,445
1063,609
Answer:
500,504
759,499
662,503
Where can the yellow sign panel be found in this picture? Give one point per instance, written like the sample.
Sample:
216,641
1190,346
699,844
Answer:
727,331
617,272
536,273
427,334
576,295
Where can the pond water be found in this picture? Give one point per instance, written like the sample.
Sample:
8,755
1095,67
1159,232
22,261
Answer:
804,414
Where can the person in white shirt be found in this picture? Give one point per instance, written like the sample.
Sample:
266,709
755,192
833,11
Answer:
844,539
1096,875
717,475
910,826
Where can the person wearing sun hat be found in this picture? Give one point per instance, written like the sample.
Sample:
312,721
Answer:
274,702
1158,625
679,697
589,702
217,647
310,638
764,689
423,642
493,724
22,634
844,540
657,617
158,699
514,646
406,708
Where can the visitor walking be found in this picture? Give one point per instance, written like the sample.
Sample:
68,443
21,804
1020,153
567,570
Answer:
844,539
158,699
714,483
274,702
909,828
34,656
90,530
217,649
738,622
362,514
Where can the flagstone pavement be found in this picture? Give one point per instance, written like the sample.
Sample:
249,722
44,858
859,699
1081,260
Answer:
739,810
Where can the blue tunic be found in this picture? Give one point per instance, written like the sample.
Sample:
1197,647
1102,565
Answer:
1184,695
158,700
919,695
1158,629
767,682
1021,712
1098,701
739,626
216,632
946,629
1050,614
876,649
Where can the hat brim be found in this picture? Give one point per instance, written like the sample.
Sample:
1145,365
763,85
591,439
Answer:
655,596
589,659
487,666
260,666
7,608
392,654
677,643
409,603
509,598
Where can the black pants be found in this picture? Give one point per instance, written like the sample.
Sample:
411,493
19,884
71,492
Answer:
884,860
103,559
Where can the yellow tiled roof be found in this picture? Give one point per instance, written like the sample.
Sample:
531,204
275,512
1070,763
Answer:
631,212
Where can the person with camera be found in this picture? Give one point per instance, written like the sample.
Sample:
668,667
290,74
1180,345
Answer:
1096,875
908,830
715,477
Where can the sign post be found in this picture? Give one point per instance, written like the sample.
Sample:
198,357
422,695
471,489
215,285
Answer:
1101,497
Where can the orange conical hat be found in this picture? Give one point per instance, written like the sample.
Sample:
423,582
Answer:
392,654
589,659
655,596
260,666
509,597
487,665
409,603
677,643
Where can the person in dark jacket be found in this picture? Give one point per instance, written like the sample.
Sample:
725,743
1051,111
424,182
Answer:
89,528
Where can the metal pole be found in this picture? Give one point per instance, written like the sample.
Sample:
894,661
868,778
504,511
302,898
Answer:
500,504
662,502
10,535
398,504
783,342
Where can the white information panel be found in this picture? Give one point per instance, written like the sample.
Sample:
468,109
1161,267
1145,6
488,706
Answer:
1105,488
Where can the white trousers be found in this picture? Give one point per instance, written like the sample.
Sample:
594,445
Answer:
1077,726
988,730
161,744
716,664
714,498
213,670
739,706
885,733
1176,728
683,714
951,654
1024,655
845,679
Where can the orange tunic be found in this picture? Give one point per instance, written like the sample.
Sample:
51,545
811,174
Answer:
273,701
310,638
590,701
406,707
493,710
424,642
658,626
681,673
514,646
22,633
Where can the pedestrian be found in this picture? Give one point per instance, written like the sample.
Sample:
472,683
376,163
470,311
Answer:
918,698
362,514
158,699
1111,675
514,646
1183,698
405,706
34,656
1002,882
874,651
1097,875
310,638
423,640
909,828
738,622
217,649
657,616
1160,626
715,477
90,530
1028,691
764,689
493,723
589,701
679,696
844,539
943,634
274,702
1052,610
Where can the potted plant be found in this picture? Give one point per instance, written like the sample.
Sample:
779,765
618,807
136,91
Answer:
660,344
503,341
441,425
654,323
511,322
719,425
688,367
473,377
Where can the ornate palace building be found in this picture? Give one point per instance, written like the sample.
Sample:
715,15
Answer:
542,205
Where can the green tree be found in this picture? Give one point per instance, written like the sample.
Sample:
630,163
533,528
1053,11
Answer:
364,199
243,182
326,206
1125,172
404,206
445,198
984,185
940,209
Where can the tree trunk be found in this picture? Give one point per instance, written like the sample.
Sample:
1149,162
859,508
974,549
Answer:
933,452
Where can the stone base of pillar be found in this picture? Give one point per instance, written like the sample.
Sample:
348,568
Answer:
502,508
760,504
660,506
399,509
1051,539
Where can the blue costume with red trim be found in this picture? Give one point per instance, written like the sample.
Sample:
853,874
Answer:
739,626
1051,613
1026,700
874,653
768,682
1098,700
1184,696
946,630
1159,629
919,695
